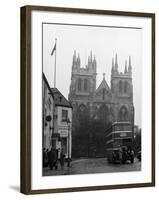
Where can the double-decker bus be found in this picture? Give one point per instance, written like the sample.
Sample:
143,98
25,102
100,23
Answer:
119,139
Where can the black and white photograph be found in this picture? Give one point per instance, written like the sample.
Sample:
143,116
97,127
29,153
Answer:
91,99
88,99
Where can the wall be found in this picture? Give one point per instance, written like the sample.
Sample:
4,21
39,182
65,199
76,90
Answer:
62,127
10,103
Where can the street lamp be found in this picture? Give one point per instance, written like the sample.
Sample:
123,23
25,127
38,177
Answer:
69,126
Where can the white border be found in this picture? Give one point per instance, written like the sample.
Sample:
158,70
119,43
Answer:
39,182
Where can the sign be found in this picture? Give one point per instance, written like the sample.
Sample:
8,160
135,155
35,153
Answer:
123,134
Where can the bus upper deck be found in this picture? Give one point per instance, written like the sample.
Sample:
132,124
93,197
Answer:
119,136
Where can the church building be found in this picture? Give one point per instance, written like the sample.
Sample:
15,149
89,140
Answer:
95,108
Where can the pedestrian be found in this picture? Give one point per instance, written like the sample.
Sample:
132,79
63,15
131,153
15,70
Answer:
45,158
52,159
124,155
62,159
120,155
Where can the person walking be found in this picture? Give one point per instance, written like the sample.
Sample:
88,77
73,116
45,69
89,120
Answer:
52,159
62,159
124,155
120,155
45,158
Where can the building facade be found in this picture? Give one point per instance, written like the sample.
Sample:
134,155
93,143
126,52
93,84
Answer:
62,137
47,109
94,109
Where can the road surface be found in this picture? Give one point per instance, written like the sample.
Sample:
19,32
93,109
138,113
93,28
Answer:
92,165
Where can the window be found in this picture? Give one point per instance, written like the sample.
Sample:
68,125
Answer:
82,112
85,85
64,115
60,98
123,115
82,108
103,113
120,86
125,87
49,104
79,84
122,127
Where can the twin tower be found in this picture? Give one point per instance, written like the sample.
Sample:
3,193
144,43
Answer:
116,98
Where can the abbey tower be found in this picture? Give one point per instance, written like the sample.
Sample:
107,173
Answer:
94,109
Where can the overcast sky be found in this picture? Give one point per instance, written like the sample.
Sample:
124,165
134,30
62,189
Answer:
104,42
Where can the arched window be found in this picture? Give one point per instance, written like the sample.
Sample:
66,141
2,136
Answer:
125,87
103,113
120,86
79,84
82,113
123,114
85,85
82,108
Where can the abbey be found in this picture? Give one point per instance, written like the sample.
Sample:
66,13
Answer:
94,109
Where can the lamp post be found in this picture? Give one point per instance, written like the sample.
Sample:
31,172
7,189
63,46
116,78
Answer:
69,126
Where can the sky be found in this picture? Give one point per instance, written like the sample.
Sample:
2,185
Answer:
104,42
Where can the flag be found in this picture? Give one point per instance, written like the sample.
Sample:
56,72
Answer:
54,49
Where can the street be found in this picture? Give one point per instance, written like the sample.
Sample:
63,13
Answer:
92,165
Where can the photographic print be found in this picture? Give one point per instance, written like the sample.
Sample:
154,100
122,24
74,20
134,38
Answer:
87,99
92,96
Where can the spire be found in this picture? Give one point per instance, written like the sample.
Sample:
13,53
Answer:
94,60
113,62
74,55
94,63
74,59
129,60
116,59
112,65
91,55
116,63
129,67
126,67
78,60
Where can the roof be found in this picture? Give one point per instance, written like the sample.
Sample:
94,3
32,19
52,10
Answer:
103,85
121,122
48,86
59,99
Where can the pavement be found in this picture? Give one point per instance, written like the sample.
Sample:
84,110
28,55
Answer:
92,165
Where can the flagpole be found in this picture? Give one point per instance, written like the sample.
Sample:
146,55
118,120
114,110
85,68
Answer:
55,65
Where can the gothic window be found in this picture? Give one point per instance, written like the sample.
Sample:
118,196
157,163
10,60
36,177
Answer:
85,85
79,84
82,112
120,86
82,108
112,113
103,113
125,87
123,114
